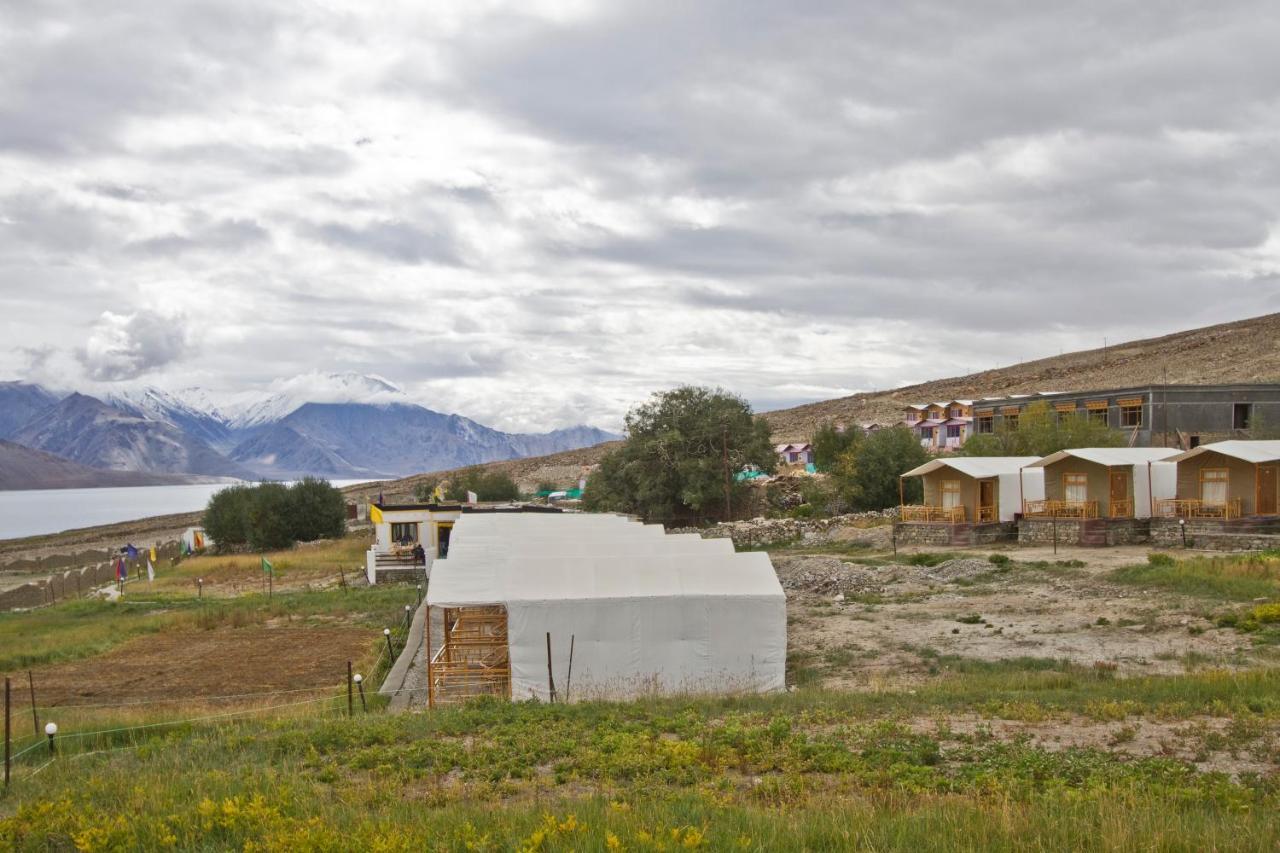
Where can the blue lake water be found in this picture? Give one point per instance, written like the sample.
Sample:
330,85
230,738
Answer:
29,513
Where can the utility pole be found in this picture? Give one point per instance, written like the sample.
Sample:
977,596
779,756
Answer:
724,450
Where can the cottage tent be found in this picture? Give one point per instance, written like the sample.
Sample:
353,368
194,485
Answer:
978,481
1117,482
646,611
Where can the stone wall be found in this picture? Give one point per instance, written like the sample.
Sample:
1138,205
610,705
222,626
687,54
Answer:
1208,534
1094,532
758,532
954,534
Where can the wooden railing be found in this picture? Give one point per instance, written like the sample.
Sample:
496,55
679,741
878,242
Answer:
1176,508
986,514
1061,509
1121,508
932,514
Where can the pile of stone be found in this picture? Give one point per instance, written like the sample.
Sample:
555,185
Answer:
829,576
759,532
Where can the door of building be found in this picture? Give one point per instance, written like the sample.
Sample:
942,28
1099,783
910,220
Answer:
987,509
1120,505
1267,497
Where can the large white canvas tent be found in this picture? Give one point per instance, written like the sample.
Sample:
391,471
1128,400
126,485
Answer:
1015,481
1152,477
644,611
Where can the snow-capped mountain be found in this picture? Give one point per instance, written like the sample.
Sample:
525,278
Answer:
287,396
338,425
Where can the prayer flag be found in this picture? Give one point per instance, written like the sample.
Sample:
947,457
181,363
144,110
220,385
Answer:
151,572
153,553
131,551
266,566
375,514
471,497
121,572
438,495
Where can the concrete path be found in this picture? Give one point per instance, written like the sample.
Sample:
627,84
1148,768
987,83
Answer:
406,683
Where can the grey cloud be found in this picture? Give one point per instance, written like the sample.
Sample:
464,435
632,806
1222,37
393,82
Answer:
392,240
226,235
126,346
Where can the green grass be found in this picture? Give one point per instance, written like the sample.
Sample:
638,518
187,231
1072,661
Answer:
810,770
1224,578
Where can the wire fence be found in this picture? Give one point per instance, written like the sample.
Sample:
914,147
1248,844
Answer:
90,738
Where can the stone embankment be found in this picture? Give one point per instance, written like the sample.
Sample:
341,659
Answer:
869,527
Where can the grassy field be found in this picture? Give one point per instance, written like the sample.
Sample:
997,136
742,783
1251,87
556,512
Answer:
165,647
1025,752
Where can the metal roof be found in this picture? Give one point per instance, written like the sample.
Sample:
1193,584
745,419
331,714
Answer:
1110,456
977,467
1249,451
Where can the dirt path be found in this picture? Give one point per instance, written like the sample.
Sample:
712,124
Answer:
860,626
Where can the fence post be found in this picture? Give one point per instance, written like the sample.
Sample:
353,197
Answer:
386,632
35,720
7,728
551,683
350,702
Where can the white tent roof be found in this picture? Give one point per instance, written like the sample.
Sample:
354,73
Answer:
1110,456
1249,451
977,467
504,558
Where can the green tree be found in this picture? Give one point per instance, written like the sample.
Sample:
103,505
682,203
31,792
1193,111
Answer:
1040,431
829,442
487,485
316,510
680,446
426,489
227,516
866,476
271,521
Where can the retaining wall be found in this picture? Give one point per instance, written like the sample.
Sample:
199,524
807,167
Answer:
916,533
1245,534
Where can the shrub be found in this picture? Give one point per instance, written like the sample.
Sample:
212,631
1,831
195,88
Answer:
1266,613
999,559
1160,560
271,515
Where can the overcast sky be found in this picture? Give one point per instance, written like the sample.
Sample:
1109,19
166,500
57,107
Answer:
536,213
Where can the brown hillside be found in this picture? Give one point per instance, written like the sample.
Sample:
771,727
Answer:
1243,351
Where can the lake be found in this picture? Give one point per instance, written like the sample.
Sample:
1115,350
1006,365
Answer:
29,513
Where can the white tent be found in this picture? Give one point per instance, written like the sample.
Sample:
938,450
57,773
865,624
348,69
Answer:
647,612
1155,476
1016,482
1255,451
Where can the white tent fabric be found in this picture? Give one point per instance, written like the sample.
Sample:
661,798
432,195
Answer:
1111,456
1248,451
647,612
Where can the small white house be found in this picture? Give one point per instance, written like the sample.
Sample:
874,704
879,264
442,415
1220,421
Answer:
399,529
599,606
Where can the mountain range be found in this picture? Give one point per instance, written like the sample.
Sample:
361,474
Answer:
356,427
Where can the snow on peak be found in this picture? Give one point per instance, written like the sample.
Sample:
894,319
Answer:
285,396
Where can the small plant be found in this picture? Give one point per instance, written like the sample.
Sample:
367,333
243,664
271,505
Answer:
1102,620
999,559
926,559
971,619
1266,614
1162,560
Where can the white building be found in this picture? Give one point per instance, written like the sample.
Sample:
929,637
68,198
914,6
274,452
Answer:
400,528
613,608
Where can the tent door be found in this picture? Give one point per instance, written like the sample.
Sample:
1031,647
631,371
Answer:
1267,496
1120,506
443,530
987,508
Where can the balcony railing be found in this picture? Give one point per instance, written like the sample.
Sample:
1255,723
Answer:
1199,509
932,514
1121,508
986,513
1059,508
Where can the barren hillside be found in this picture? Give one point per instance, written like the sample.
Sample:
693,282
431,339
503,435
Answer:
1243,351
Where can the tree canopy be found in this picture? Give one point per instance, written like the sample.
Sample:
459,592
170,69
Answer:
681,448
1040,431
829,442
269,516
865,475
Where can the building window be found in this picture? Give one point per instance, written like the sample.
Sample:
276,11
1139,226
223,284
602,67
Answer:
1011,422
953,431
1075,487
1195,442
1241,415
1213,486
403,532
1098,416
1131,416
985,423
950,490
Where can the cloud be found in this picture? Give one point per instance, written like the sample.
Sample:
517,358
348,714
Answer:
127,346
538,213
